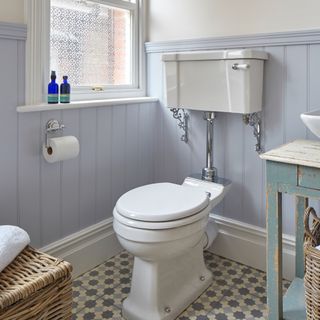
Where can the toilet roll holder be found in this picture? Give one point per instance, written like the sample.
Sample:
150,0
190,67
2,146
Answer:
52,127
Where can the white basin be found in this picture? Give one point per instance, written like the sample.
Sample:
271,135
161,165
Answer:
312,121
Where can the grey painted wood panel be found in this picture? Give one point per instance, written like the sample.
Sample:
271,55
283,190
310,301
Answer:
50,182
87,160
132,158
296,99
274,98
118,152
104,168
252,181
234,149
8,132
219,154
70,188
146,156
197,131
29,159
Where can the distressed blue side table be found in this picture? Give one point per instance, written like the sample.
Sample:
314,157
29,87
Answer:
293,168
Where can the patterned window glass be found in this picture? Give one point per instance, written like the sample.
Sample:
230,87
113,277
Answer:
90,42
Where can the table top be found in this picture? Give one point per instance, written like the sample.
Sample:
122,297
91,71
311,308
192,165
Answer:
299,152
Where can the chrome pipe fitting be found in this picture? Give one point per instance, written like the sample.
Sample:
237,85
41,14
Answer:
209,172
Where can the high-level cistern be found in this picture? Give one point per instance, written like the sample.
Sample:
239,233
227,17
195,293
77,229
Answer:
209,172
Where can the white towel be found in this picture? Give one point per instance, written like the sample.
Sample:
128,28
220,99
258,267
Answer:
12,241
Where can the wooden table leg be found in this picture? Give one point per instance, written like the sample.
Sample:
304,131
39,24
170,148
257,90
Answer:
301,205
274,252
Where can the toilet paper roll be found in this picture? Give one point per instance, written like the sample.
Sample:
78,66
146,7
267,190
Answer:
61,148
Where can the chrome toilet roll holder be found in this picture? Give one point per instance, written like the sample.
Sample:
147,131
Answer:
52,128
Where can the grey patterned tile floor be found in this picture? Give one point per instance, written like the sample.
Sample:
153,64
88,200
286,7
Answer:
237,291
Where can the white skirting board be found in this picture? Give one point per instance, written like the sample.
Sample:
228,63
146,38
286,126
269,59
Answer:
246,244
237,241
87,248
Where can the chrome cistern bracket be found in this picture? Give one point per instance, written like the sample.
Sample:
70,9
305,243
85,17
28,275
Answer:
254,121
52,128
183,120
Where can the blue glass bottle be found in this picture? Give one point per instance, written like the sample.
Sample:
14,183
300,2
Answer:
65,91
53,89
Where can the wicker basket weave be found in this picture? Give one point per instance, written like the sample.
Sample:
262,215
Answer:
312,265
36,286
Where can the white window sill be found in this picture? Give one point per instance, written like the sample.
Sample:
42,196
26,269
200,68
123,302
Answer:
84,104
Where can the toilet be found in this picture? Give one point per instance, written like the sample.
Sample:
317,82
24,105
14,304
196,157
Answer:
164,226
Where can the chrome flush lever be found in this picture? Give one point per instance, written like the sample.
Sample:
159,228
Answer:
242,66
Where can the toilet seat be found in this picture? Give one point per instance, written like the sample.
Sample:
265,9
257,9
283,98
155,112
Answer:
160,225
160,203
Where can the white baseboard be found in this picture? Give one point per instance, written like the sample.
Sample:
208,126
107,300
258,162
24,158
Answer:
246,244
87,248
237,241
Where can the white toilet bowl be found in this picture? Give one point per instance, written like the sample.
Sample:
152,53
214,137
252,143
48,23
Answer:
163,226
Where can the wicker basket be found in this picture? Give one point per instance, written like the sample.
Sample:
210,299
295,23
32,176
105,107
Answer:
36,286
312,265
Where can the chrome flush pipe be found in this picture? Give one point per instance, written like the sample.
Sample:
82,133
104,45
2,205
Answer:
209,172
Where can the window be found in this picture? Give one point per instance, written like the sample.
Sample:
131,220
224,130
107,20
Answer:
98,44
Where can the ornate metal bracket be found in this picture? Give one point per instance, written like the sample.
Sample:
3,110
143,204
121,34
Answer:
183,118
254,120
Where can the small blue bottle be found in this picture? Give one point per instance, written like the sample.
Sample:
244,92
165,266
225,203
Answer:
65,90
53,89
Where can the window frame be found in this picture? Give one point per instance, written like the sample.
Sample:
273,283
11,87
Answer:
37,15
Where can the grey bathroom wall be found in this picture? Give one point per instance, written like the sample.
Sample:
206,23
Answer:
291,86
51,201
130,145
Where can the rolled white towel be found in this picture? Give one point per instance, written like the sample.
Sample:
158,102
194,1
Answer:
12,241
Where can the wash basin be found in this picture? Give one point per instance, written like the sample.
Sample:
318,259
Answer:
312,121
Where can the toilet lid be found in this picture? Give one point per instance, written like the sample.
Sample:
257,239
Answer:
161,202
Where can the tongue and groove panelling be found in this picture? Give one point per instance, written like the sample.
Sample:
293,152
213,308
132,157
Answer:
126,146
52,201
291,86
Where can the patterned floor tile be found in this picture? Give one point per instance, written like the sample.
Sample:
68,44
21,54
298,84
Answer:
124,259
78,297
237,306
204,304
225,272
99,309
236,292
104,278
120,293
254,282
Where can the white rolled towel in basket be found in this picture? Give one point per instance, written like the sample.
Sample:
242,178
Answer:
12,241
